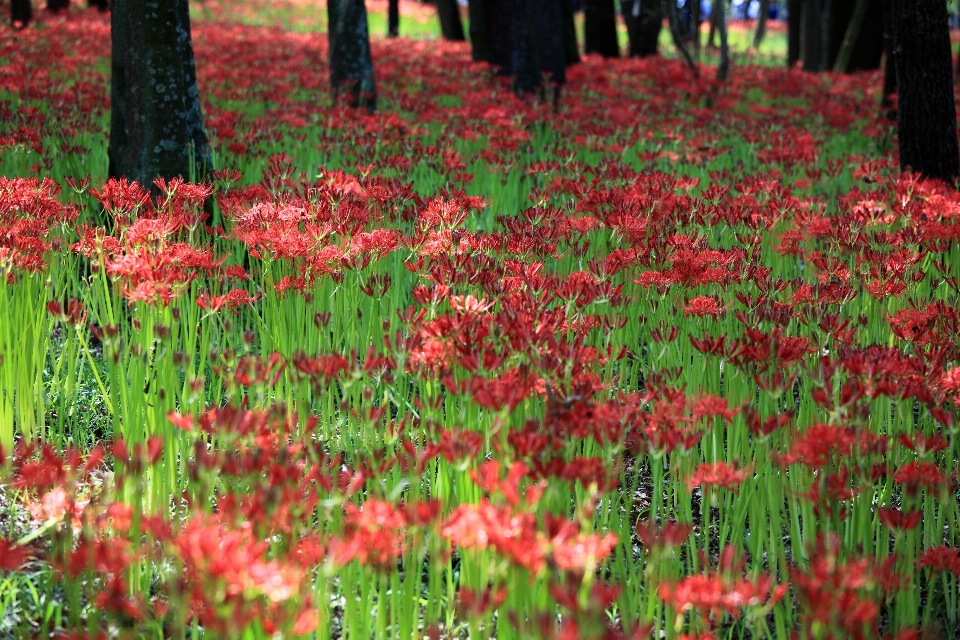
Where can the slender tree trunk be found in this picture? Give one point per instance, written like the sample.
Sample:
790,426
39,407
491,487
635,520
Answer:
695,21
58,5
812,35
794,29
956,72
156,127
868,47
393,18
20,13
570,47
600,28
761,23
450,26
669,7
479,45
723,68
851,37
887,105
101,5
351,65
644,19
836,17
927,116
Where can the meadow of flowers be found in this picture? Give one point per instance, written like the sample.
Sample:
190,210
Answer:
679,360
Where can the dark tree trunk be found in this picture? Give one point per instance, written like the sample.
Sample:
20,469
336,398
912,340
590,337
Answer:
836,17
812,50
570,48
644,19
600,28
524,38
102,5
546,25
889,64
927,116
723,67
868,48
794,29
58,5
351,65
20,13
393,18
695,21
156,127
450,26
761,23
479,45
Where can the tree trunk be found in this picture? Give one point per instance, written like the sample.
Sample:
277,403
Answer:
450,26
851,37
393,18
351,65
600,28
812,35
570,47
669,7
695,20
644,19
546,19
156,127
794,29
479,45
58,5
927,116
836,17
20,13
723,68
889,65
101,5
868,47
761,23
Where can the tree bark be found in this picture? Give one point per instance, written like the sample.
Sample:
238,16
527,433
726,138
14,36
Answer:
836,17
450,26
156,126
723,68
889,65
101,5
393,18
479,45
794,29
812,51
58,5
570,47
853,29
761,23
351,65
20,13
927,116
600,28
644,19
868,47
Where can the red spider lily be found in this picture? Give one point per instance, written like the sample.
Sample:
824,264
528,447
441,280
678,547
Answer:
899,520
941,559
717,475
921,475
657,538
717,594
374,534
13,556
702,306
484,525
833,593
29,216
